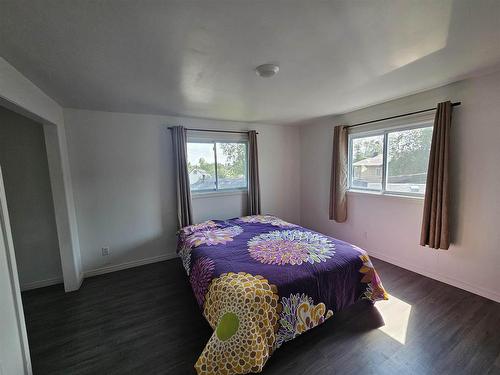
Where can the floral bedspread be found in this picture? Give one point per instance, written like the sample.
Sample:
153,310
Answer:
262,281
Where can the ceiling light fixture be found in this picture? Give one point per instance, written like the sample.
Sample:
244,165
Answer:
267,70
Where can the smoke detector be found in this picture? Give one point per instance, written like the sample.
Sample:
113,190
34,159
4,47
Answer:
267,70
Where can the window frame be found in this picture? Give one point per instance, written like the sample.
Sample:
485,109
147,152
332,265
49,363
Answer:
382,131
217,190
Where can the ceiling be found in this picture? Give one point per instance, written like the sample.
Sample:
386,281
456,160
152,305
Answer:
196,58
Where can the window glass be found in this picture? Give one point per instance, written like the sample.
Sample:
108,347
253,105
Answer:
201,166
231,165
216,166
367,162
408,158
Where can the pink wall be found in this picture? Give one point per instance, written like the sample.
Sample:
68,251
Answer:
389,227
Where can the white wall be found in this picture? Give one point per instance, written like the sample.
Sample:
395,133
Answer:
23,158
206,207
389,227
124,188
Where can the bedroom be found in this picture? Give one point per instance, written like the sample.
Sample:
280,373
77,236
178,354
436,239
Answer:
92,94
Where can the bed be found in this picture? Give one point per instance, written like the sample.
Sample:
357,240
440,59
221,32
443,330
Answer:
261,281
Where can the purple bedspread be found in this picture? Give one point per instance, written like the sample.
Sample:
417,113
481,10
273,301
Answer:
261,281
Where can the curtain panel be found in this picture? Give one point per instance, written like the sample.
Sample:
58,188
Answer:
435,231
253,201
184,210
338,181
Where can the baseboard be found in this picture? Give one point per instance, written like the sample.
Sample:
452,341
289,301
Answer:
125,265
41,283
483,292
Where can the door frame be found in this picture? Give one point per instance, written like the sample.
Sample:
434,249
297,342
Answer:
6,238
62,195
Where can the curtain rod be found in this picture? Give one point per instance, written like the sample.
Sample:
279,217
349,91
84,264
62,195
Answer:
215,131
403,115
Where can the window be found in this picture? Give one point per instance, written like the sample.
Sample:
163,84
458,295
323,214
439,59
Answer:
366,160
217,166
390,160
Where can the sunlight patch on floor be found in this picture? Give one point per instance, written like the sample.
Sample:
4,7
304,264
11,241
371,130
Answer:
396,314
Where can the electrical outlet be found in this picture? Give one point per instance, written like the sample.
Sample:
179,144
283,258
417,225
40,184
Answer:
365,235
105,251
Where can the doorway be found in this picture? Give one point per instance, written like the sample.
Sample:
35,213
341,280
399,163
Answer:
23,157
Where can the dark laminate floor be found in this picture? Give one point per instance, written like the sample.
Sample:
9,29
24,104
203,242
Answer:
146,321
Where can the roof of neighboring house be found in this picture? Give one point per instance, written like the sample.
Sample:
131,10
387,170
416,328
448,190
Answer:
200,171
374,161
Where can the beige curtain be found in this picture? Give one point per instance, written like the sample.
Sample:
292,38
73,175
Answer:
435,226
338,181
253,202
184,211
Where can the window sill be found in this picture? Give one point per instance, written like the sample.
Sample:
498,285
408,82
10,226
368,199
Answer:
216,194
409,198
